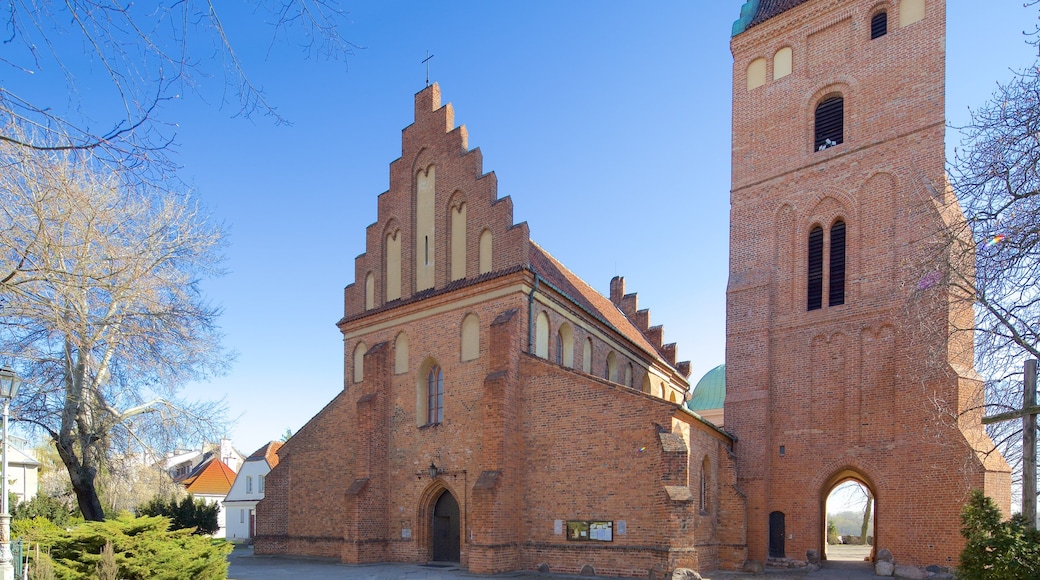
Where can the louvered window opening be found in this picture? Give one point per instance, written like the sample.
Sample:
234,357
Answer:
830,123
836,287
878,25
815,301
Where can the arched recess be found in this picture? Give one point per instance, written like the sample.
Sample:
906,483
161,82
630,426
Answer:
401,354
612,367
783,62
433,509
470,337
425,228
704,495
485,252
565,345
370,291
586,357
646,383
756,74
359,361
392,249
541,335
840,476
457,212
628,375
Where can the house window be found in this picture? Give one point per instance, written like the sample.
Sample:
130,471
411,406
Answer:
260,484
830,123
815,293
434,396
878,25
241,516
836,279
249,484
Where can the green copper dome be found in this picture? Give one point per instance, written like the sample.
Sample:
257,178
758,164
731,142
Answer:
710,392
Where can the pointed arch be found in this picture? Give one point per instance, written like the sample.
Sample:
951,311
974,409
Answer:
586,357
457,255
359,361
646,383
429,393
425,228
392,248
484,251
470,337
612,370
401,353
565,345
541,335
370,291
628,375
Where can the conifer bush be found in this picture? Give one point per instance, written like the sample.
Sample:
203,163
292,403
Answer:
187,513
141,548
996,549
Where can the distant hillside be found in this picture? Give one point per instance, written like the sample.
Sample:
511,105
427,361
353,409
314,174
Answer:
849,523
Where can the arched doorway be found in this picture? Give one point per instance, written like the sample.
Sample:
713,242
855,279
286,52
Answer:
445,529
849,511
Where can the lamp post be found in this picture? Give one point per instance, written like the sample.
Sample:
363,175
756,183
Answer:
9,383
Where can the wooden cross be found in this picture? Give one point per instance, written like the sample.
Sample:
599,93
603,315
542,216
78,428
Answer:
1028,414
426,61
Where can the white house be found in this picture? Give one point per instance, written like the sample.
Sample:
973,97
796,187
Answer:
182,462
248,489
23,473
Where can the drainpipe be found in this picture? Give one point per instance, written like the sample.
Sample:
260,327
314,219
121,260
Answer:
530,315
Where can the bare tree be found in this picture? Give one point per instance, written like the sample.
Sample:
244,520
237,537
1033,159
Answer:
989,259
102,308
150,53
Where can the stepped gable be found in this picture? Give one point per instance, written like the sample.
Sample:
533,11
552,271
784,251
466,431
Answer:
567,282
435,150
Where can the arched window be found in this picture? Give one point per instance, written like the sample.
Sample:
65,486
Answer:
401,353
878,25
565,345
836,277
424,229
370,291
586,357
434,395
393,265
541,335
359,362
830,123
485,252
470,337
458,242
612,367
756,74
782,63
815,271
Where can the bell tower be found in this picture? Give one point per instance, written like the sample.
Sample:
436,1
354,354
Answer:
838,361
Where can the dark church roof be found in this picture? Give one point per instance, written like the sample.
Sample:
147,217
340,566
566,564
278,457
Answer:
758,11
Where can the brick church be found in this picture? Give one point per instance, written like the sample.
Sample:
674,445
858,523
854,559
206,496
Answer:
499,413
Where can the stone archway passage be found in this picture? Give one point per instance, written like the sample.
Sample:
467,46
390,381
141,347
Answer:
445,529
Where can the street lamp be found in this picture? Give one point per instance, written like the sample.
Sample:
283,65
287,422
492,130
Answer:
9,383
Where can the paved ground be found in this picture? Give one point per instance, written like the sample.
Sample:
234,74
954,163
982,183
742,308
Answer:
246,566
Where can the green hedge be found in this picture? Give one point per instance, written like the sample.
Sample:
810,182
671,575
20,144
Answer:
144,548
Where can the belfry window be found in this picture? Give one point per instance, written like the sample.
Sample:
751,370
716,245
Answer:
815,293
878,25
836,286
830,123
435,396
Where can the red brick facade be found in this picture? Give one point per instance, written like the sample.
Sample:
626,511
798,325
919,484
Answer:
561,405
860,389
527,443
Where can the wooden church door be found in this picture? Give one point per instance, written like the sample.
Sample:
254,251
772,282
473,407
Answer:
446,531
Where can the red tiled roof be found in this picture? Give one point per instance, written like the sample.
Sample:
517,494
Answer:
578,290
770,8
268,452
211,477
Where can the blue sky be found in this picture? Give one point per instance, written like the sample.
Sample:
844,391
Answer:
608,123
